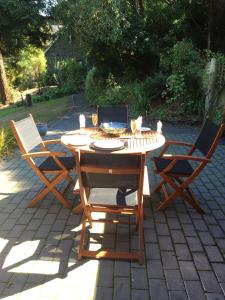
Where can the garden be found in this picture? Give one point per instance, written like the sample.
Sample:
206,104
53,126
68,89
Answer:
165,59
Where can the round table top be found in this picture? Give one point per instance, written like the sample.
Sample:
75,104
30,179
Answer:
84,140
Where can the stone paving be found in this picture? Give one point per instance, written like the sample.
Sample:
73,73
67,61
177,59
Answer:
184,251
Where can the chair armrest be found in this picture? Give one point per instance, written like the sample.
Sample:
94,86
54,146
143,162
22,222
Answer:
185,157
177,143
56,141
44,153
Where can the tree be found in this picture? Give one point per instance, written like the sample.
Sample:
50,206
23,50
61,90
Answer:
22,22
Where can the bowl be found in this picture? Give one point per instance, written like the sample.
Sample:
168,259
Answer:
113,128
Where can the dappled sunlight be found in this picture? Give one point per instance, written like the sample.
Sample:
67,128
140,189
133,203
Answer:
3,243
20,252
8,185
38,267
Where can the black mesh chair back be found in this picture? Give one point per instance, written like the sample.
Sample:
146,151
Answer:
207,137
112,114
98,180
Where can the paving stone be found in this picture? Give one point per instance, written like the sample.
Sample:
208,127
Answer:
201,261
103,293
223,287
219,269
174,280
158,289
139,279
178,236
216,231
206,238
182,252
214,254
178,295
162,229
155,269
150,236
200,225
194,290
105,277
209,282
194,244
152,251
165,243
189,230
214,296
169,260
188,270
174,223
121,289
122,268
140,295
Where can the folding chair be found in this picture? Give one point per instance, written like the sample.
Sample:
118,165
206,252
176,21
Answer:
177,170
56,162
113,184
112,114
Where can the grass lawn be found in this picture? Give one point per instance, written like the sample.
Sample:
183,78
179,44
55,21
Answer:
42,112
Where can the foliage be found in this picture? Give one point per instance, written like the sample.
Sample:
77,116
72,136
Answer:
52,93
7,141
70,74
22,23
185,65
94,86
29,69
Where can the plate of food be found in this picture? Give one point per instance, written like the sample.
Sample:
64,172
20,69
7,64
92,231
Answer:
108,145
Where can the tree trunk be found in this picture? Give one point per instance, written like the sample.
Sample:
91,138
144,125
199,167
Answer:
210,25
4,88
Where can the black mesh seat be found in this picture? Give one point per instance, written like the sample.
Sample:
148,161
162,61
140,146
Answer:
181,167
50,164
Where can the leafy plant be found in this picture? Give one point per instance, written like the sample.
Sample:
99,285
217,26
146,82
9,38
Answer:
7,141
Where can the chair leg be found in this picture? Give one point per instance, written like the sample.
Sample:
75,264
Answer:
50,187
39,197
61,199
81,245
159,186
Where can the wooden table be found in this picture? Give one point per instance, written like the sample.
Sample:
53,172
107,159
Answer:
141,144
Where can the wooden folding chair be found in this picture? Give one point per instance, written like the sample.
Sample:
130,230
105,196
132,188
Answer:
112,114
56,162
113,184
177,170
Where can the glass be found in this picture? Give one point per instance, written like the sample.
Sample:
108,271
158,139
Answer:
94,118
133,125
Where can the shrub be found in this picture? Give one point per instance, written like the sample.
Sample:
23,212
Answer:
70,74
184,66
7,141
94,86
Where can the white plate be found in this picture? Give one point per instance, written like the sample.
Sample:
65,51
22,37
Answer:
108,144
143,129
75,139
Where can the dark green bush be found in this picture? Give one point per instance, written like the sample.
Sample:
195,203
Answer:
70,74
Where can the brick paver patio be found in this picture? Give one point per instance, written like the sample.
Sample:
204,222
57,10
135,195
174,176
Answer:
184,251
